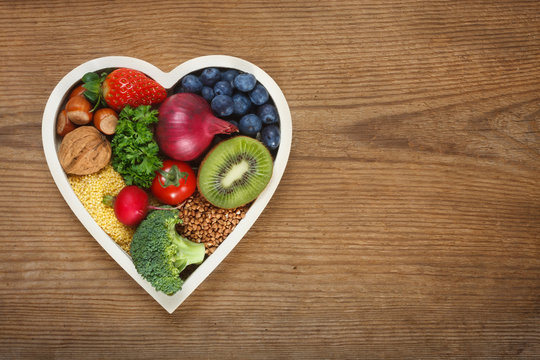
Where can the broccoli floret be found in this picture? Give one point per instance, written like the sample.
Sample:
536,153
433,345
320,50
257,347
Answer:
160,253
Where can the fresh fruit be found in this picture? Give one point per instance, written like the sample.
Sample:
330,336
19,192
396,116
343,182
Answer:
78,110
245,82
210,76
105,120
223,88
242,104
174,182
250,125
270,136
222,105
235,172
268,114
259,95
187,126
63,124
229,75
247,95
191,83
207,93
123,87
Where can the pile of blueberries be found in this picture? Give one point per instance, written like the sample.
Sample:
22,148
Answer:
238,98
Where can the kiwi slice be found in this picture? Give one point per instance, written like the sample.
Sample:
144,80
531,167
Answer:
235,172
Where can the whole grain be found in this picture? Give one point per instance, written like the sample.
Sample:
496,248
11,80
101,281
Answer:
90,190
206,223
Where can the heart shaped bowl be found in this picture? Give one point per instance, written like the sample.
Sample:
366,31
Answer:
168,80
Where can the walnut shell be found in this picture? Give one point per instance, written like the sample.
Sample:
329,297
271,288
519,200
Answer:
84,151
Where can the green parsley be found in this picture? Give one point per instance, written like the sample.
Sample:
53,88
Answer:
134,150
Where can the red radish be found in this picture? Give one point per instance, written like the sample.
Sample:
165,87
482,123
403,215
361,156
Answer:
130,205
187,126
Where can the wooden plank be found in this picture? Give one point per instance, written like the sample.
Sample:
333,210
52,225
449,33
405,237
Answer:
407,222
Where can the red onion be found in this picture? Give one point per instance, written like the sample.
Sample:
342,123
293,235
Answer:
187,126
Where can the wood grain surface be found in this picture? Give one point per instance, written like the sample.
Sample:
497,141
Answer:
407,223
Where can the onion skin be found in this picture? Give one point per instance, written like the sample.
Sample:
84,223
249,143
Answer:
187,126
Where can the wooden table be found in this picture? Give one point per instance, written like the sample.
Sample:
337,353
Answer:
406,225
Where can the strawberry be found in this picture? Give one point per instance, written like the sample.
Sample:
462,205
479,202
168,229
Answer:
122,87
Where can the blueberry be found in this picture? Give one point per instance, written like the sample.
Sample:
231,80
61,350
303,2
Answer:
210,76
270,136
222,105
250,125
229,75
223,88
241,104
259,95
268,114
191,83
245,82
208,93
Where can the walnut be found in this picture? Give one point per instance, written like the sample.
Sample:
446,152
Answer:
84,151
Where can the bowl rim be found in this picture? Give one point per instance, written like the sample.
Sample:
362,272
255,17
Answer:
167,79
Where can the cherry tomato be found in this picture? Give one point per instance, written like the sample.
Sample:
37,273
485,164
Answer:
174,182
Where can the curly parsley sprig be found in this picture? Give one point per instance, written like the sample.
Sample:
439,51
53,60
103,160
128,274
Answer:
134,150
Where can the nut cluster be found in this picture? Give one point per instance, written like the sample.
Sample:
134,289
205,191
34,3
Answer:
208,224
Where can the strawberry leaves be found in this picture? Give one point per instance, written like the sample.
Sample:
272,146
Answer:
92,84
116,88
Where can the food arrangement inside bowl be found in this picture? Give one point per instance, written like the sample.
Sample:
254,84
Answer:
168,173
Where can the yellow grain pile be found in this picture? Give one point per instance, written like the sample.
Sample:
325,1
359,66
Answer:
90,190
